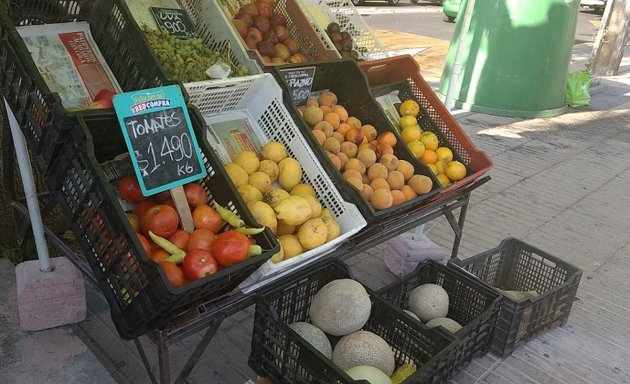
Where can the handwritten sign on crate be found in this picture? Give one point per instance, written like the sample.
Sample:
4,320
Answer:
175,21
162,145
300,82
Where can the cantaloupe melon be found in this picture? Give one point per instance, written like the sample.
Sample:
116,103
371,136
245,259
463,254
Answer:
364,348
370,374
341,307
314,336
450,324
428,301
411,314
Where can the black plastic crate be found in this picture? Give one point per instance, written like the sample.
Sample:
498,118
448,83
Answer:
471,303
284,357
138,293
347,81
518,266
40,112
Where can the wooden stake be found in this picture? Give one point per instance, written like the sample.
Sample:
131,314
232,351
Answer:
182,208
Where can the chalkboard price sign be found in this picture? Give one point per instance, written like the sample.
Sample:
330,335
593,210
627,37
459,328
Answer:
175,21
300,82
158,133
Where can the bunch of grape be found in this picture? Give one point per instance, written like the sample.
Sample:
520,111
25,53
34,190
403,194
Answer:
186,60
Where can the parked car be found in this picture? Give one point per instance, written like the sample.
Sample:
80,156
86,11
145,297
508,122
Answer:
596,5
450,9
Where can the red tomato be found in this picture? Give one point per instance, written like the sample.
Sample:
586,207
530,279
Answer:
180,239
205,217
159,255
199,263
129,189
174,273
195,195
142,207
230,247
201,239
145,243
160,219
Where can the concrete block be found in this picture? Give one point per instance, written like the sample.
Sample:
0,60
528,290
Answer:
49,299
404,253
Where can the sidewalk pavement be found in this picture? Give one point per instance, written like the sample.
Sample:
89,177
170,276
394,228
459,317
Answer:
559,183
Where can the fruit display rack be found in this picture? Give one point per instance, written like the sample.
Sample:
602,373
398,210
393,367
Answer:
47,127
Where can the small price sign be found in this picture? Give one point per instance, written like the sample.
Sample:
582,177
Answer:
300,82
162,145
175,21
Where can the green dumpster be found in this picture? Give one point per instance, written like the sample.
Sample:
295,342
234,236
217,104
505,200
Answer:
516,58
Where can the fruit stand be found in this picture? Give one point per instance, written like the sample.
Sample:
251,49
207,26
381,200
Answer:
280,154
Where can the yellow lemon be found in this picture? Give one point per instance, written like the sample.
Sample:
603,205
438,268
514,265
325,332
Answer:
407,121
444,153
430,140
443,179
410,133
417,148
433,168
455,170
409,108
440,165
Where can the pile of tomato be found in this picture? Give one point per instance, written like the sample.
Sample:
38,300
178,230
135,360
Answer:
184,256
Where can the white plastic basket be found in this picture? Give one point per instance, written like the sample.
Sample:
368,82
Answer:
217,32
323,12
260,98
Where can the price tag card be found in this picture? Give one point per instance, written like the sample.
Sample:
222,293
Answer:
158,133
175,21
300,82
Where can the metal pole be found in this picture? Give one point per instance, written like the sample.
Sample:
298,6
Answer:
449,100
30,192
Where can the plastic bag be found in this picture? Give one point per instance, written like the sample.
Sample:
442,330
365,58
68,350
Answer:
578,85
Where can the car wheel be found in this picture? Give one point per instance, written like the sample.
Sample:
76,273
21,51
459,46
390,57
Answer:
449,19
392,2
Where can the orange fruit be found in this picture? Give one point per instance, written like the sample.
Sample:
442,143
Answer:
417,148
411,133
430,140
455,170
407,121
444,153
406,168
409,107
398,197
428,157
443,179
354,122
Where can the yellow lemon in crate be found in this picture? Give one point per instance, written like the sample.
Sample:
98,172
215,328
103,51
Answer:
440,165
430,140
411,133
443,179
409,108
407,121
433,168
444,153
417,148
455,170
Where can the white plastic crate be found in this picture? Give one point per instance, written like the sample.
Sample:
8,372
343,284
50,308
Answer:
323,12
218,33
259,98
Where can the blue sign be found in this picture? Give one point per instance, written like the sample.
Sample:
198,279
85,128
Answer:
161,143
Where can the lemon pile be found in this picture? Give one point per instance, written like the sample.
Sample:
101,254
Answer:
425,146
